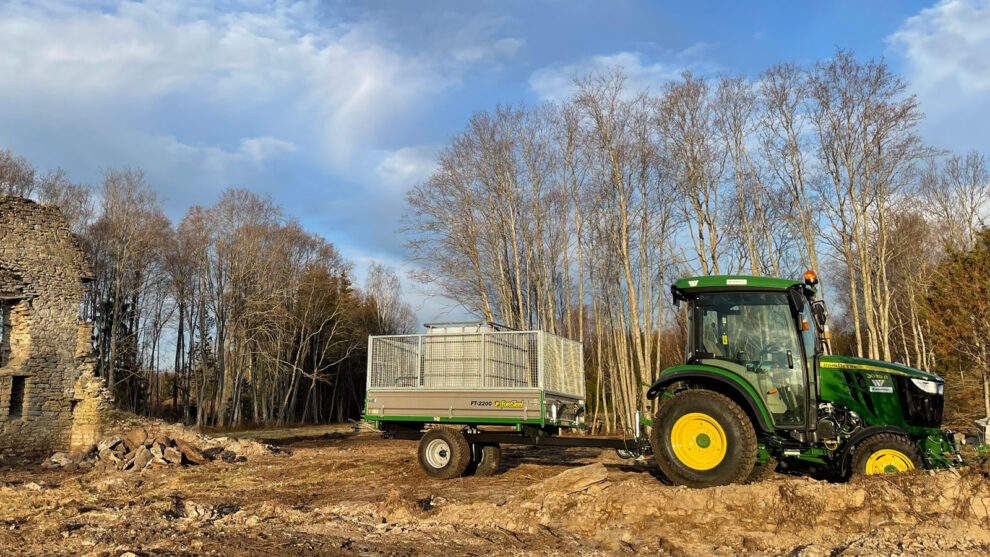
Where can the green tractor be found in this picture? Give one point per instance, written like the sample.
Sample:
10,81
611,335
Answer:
760,384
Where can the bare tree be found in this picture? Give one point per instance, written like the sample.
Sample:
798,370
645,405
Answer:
784,95
867,148
385,288
957,194
74,200
736,109
696,161
123,238
16,175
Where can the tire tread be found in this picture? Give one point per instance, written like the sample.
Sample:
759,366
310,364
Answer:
490,460
748,460
460,453
907,447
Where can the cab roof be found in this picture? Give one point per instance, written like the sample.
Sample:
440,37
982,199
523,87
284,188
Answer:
690,285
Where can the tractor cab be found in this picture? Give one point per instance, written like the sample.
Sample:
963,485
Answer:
762,330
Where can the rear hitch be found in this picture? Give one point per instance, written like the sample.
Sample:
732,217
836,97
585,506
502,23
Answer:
641,443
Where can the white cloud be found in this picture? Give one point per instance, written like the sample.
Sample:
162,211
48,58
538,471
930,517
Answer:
407,166
193,174
342,82
557,82
466,39
948,45
945,49
258,149
253,150
478,52
291,97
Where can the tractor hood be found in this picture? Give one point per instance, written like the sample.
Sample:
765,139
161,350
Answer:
864,364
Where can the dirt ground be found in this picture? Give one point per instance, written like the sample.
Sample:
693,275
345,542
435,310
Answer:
341,491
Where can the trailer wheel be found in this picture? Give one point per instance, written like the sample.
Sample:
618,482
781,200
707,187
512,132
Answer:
885,453
701,438
487,457
444,453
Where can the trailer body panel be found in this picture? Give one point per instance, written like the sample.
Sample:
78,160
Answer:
474,406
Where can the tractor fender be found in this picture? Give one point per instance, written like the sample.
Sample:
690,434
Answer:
851,443
721,381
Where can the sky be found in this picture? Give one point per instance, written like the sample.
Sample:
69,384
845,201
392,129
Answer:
337,108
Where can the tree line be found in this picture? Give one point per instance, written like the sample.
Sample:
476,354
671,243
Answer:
233,315
575,216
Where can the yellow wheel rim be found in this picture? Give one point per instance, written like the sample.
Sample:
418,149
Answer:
886,461
698,441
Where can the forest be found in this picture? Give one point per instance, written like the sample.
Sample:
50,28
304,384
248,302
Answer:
234,315
571,216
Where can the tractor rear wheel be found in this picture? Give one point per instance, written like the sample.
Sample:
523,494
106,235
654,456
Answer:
444,453
702,438
885,453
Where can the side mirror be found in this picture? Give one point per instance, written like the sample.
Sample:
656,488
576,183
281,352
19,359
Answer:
819,311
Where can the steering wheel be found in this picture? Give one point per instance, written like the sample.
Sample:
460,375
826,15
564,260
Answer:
756,367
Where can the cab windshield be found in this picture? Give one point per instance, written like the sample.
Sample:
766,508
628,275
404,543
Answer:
755,335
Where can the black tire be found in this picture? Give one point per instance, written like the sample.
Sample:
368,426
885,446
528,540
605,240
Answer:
444,453
762,471
486,459
733,463
863,461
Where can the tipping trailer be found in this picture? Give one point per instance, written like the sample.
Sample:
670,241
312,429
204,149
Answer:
528,384
759,383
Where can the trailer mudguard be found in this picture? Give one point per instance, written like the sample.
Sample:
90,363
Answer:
721,380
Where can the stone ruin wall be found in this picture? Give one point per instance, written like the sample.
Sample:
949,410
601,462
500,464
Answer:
50,399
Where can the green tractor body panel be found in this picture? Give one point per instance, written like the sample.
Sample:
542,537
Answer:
730,282
883,393
726,379
849,362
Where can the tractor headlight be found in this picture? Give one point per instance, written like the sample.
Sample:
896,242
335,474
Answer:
930,387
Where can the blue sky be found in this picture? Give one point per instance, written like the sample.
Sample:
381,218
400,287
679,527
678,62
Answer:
336,108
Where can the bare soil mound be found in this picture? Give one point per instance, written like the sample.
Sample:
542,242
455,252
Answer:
917,512
344,492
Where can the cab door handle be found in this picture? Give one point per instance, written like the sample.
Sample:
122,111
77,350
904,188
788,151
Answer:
790,359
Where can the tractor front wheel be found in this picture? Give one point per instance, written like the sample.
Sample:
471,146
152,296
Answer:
885,453
702,438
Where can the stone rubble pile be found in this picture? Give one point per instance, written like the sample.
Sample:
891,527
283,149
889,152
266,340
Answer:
138,450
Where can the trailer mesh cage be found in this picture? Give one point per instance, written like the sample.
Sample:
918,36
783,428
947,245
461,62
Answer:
485,359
